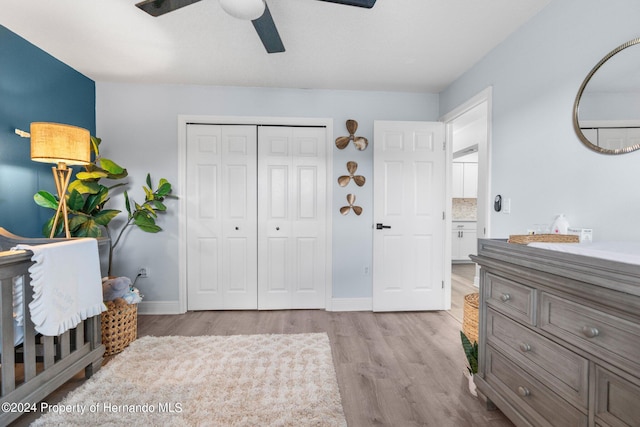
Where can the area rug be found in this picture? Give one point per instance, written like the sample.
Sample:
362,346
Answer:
240,380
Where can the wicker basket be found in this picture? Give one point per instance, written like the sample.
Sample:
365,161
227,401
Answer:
470,316
550,238
119,326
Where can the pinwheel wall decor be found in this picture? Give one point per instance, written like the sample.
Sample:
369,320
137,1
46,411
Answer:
351,199
344,180
359,142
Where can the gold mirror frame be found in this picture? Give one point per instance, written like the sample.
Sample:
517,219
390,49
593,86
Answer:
576,104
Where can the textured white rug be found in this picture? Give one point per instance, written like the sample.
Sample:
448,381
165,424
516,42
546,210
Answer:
241,380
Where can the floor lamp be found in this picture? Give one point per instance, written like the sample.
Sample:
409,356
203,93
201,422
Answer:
61,145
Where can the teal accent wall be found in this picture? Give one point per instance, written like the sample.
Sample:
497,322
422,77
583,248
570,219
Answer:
34,87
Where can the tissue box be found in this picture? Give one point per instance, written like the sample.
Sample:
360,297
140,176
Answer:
584,234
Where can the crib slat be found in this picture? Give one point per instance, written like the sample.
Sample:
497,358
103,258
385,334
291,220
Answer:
64,344
49,351
6,327
29,332
80,335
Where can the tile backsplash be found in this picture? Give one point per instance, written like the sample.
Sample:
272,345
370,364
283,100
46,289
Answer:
465,209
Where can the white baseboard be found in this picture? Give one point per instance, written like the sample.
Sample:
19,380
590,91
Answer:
351,304
337,304
159,307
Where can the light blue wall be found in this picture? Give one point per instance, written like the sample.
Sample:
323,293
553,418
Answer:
138,124
537,160
34,86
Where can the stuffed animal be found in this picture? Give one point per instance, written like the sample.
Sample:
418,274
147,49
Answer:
115,287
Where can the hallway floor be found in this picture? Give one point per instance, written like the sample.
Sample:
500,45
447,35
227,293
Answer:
462,276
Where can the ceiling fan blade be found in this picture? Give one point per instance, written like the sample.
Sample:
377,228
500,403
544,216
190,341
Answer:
268,32
160,7
359,3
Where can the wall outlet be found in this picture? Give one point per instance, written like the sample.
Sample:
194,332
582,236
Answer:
143,272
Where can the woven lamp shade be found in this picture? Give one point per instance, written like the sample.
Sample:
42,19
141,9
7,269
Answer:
58,143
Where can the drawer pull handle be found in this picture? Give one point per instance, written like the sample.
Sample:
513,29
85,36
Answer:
524,347
523,391
505,297
590,331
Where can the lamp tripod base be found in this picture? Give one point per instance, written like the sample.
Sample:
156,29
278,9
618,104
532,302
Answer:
61,176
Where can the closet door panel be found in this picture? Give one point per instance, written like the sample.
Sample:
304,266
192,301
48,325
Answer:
221,216
291,210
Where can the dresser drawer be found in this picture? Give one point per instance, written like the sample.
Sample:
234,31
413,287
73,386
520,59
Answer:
562,370
539,404
617,399
511,298
606,336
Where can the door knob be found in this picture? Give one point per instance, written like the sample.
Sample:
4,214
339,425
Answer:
380,226
277,228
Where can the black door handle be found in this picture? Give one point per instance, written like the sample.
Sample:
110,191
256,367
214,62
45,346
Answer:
379,226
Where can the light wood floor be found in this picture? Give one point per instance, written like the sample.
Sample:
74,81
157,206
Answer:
393,369
462,276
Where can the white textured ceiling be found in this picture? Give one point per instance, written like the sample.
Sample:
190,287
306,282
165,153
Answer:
399,45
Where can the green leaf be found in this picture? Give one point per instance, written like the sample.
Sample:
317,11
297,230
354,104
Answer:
148,194
149,210
145,222
149,228
163,189
96,174
75,223
89,229
75,201
471,351
95,145
46,227
127,203
85,187
149,181
46,200
158,205
112,167
96,201
104,217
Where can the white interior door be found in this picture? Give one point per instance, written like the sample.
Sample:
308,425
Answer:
221,217
409,199
291,217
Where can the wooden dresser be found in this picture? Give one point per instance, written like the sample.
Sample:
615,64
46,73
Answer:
559,337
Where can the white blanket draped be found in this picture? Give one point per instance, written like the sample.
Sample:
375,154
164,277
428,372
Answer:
67,287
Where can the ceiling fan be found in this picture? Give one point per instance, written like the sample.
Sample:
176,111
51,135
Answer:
255,10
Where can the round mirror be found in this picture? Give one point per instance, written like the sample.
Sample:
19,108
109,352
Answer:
606,113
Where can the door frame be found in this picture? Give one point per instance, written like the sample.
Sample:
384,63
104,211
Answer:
183,121
484,173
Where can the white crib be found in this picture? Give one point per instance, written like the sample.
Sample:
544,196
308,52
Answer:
32,370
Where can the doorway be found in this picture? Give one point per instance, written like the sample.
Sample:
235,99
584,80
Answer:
468,135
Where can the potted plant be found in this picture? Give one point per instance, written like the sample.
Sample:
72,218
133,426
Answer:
87,197
471,351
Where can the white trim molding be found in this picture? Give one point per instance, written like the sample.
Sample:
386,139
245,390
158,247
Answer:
159,307
351,304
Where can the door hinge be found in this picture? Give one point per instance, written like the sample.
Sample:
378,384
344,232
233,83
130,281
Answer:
443,215
444,145
443,284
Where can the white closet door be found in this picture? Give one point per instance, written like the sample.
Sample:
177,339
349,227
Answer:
221,217
291,217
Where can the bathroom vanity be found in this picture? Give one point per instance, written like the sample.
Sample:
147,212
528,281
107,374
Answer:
559,336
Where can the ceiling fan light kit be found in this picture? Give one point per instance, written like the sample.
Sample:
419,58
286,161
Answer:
256,11
247,10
